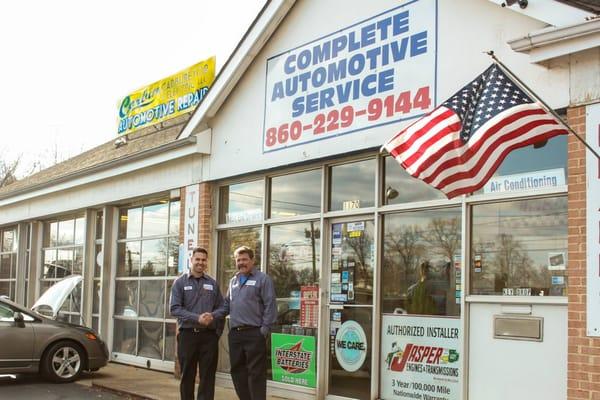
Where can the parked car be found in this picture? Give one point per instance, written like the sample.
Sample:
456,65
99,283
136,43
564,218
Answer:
31,342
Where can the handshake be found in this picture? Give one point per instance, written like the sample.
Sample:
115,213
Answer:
205,319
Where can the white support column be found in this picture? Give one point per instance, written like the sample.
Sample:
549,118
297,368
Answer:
88,267
36,262
21,262
109,262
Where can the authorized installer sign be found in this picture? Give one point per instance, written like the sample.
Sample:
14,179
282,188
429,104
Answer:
420,358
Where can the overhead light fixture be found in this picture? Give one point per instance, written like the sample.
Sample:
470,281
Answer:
391,193
122,141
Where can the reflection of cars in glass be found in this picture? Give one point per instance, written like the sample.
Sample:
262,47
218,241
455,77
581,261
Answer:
59,350
288,310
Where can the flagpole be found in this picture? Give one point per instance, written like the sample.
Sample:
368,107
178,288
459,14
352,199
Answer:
546,106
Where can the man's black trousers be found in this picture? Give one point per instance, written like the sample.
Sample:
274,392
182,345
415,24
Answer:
247,353
197,349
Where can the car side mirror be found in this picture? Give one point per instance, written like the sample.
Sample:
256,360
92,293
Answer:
18,317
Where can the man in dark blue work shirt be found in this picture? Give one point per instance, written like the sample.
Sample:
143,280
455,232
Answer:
252,309
194,294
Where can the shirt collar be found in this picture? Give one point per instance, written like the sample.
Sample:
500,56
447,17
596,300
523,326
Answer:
190,276
252,273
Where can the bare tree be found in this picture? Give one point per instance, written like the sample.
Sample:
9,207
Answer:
444,237
8,171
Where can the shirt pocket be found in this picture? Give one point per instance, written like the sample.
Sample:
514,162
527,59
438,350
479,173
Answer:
189,296
252,291
208,296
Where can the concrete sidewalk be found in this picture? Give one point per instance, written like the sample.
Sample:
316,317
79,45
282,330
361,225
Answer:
141,383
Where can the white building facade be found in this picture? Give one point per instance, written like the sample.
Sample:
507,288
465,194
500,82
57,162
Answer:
386,289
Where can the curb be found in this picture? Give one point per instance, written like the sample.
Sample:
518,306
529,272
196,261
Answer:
131,395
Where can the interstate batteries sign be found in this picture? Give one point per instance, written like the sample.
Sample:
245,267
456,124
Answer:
376,72
167,98
420,358
293,359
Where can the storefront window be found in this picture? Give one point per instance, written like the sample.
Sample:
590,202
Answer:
519,248
399,187
8,262
531,168
130,222
147,259
296,194
295,267
421,263
353,185
230,240
352,261
156,219
242,202
62,256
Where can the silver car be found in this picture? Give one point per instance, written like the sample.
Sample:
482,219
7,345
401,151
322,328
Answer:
31,342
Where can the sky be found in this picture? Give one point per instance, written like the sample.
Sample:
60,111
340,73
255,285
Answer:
66,64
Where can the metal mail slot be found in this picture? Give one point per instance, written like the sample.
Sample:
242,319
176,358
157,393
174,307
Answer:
519,328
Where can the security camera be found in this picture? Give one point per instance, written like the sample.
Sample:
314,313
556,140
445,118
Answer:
522,3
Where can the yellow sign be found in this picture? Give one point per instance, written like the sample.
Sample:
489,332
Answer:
166,98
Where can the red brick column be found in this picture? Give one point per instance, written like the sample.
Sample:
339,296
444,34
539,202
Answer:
205,210
584,351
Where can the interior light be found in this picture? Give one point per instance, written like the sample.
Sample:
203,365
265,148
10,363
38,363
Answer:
391,193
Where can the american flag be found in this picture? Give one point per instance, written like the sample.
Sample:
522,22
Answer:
459,145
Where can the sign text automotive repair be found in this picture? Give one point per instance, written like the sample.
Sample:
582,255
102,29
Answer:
376,72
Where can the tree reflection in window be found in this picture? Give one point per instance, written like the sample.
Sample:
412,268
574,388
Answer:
520,248
294,262
421,257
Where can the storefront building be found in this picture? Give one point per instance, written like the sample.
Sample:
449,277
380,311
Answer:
385,288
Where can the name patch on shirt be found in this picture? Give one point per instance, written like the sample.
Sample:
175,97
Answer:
187,288
207,286
251,283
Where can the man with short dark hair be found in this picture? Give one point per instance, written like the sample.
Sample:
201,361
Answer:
252,309
194,294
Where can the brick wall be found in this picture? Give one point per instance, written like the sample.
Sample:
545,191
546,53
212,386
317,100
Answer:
205,221
583,351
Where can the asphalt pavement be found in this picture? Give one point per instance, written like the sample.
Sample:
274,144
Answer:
30,387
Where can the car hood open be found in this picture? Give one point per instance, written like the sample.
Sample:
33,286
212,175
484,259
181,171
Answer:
56,295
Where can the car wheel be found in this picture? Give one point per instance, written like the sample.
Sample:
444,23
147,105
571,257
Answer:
63,362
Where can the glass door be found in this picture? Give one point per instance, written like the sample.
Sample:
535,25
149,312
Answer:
350,309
